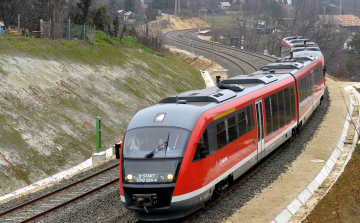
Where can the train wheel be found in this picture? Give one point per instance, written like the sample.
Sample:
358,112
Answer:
294,132
222,186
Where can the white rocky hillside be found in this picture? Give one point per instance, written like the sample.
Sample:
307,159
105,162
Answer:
48,107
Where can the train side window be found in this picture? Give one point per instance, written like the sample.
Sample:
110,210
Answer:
221,134
287,99
268,116
309,90
309,84
318,74
275,112
242,123
305,92
250,118
205,140
232,130
292,99
212,137
281,104
301,93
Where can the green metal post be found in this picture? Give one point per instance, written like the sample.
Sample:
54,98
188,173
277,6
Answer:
98,134
265,44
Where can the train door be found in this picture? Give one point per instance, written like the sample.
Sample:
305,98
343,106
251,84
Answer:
260,129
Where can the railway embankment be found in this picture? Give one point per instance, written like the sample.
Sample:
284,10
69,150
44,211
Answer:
52,91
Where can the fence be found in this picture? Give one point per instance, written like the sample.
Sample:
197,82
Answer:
68,31
13,32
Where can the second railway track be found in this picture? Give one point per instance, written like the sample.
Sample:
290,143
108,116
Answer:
241,62
34,209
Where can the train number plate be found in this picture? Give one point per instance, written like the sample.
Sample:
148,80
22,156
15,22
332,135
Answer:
148,178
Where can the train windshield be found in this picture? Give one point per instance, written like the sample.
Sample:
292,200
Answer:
160,142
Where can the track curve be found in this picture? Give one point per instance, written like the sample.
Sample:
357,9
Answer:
236,61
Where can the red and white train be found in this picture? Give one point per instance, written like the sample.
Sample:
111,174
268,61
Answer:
177,154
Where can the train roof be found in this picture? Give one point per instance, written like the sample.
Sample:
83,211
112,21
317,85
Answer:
297,49
305,44
306,53
300,43
184,109
293,37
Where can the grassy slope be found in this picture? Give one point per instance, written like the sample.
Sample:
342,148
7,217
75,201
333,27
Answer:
52,91
219,20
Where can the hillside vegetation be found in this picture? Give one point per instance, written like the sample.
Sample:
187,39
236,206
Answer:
52,91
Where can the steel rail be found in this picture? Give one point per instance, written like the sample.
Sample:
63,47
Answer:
222,46
70,201
2,214
244,51
209,51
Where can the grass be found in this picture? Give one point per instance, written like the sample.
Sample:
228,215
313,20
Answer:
219,21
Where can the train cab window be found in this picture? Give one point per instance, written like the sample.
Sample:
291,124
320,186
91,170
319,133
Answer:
205,140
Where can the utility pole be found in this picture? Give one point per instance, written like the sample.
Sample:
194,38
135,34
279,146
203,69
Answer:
175,13
69,30
98,134
205,16
179,7
213,40
340,7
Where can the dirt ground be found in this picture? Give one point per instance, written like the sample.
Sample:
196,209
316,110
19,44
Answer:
201,63
175,23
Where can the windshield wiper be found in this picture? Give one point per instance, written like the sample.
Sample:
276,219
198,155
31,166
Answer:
164,145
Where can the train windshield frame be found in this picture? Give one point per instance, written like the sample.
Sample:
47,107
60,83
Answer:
139,142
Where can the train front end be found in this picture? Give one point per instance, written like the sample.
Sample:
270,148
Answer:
151,156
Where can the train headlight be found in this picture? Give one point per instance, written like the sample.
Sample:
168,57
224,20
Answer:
170,177
129,177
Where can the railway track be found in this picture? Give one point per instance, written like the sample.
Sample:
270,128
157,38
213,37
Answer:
268,58
245,61
223,56
39,207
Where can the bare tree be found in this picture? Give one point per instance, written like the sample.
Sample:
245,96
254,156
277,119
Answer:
9,10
